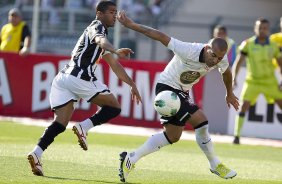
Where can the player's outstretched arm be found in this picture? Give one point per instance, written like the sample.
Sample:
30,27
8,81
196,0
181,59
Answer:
105,44
230,98
146,30
122,75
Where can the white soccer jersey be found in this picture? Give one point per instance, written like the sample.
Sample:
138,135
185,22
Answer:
185,69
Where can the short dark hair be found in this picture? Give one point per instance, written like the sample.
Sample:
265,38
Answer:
220,43
262,20
103,5
220,27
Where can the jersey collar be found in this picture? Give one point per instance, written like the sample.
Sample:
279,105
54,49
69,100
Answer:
201,56
265,43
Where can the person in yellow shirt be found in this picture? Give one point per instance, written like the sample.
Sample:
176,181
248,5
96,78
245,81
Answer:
15,36
277,38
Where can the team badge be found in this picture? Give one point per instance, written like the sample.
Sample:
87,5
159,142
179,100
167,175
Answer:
189,77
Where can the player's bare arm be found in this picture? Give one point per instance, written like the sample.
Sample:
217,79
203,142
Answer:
105,44
146,30
236,67
122,75
26,47
230,98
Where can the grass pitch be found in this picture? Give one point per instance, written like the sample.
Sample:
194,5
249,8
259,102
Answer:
65,162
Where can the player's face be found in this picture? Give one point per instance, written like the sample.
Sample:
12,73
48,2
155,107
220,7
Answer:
14,19
261,29
213,56
219,33
108,18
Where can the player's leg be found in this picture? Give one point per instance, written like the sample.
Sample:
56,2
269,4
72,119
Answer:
62,117
171,134
100,95
61,101
200,123
249,95
239,121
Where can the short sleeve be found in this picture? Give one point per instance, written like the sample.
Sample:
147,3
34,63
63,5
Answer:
180,48
96,29
243,48
26,31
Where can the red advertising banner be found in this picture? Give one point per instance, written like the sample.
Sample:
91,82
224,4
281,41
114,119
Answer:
25,86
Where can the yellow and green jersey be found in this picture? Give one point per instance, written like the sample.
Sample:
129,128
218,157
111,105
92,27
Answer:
259,59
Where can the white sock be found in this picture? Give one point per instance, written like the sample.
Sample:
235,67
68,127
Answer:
86,124
204,141
38,151
154,143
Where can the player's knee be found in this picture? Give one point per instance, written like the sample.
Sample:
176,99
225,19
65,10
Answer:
115,111
173,138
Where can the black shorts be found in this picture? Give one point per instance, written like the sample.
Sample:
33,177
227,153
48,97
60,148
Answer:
187,107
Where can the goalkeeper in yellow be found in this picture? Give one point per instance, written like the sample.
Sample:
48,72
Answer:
258,51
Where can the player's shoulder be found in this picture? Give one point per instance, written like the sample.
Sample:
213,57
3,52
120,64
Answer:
248,41
5,26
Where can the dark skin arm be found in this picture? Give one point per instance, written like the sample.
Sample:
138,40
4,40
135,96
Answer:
105,44
146,30
230,98
122,75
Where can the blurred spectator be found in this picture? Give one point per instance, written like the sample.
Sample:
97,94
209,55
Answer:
20,3
73,4
53,14
137,11
156,7
277,38
91,4
221,31
15,36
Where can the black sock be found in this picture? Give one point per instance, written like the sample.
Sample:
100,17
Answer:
104,114
49,134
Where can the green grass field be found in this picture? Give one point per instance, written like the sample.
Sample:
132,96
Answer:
65,162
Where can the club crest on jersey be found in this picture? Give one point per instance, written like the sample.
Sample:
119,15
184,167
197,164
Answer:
189,77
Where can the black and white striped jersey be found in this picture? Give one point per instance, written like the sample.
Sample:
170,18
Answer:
86,53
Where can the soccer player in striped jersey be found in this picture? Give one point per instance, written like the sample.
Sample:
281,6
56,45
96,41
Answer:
191,61
258,52
77,80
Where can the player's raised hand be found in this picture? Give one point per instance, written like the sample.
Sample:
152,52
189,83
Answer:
124,53
123,19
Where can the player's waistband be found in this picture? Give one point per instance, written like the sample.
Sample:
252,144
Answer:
78,72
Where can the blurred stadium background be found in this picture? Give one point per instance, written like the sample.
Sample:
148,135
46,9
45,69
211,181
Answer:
60,23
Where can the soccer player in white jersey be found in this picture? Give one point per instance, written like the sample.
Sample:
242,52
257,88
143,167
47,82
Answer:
190,62
77,80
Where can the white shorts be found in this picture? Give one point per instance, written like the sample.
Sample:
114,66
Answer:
66,88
